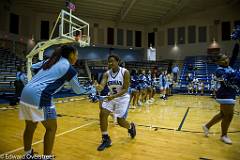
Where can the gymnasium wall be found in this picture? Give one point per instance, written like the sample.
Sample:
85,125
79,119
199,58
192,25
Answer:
103,53
30,23
99,53
212,19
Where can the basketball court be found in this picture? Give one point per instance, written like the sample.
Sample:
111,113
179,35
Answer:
165,130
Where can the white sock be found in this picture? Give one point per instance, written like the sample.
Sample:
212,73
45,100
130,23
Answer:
130,126
105,133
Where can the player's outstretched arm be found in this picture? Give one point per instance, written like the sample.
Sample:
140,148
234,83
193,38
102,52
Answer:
76,87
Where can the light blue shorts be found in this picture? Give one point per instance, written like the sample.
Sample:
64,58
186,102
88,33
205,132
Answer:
226,101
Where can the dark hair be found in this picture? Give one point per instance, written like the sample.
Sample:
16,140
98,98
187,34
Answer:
63,51
114,56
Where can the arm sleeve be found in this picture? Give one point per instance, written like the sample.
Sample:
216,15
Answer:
37,66
77,88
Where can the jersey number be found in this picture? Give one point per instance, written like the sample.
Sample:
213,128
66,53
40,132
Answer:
114,90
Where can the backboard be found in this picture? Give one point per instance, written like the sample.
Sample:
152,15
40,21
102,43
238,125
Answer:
71,27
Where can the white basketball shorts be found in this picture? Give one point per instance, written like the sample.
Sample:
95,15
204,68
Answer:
119,106
35,114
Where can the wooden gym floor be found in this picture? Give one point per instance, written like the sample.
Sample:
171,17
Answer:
165,130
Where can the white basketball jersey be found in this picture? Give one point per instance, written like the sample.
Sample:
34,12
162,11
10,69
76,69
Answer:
115,80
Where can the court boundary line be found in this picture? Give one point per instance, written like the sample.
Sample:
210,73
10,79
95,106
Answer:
155,128
57,135
183,120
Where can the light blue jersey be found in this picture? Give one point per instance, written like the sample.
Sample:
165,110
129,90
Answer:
39,91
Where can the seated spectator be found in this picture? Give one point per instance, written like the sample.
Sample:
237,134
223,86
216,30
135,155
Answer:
190,88
195,83
201,87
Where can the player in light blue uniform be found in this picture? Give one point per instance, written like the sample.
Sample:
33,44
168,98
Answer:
149,83
163,84
37,96
142,87
134,91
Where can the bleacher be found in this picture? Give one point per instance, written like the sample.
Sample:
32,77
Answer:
8,69
203,68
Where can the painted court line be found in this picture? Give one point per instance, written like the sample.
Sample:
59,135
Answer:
184,118
60,134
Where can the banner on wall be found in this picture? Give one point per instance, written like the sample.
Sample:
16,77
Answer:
151,54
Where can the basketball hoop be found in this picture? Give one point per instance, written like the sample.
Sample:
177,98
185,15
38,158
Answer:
70,31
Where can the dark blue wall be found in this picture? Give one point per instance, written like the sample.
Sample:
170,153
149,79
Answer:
102,53
97,53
